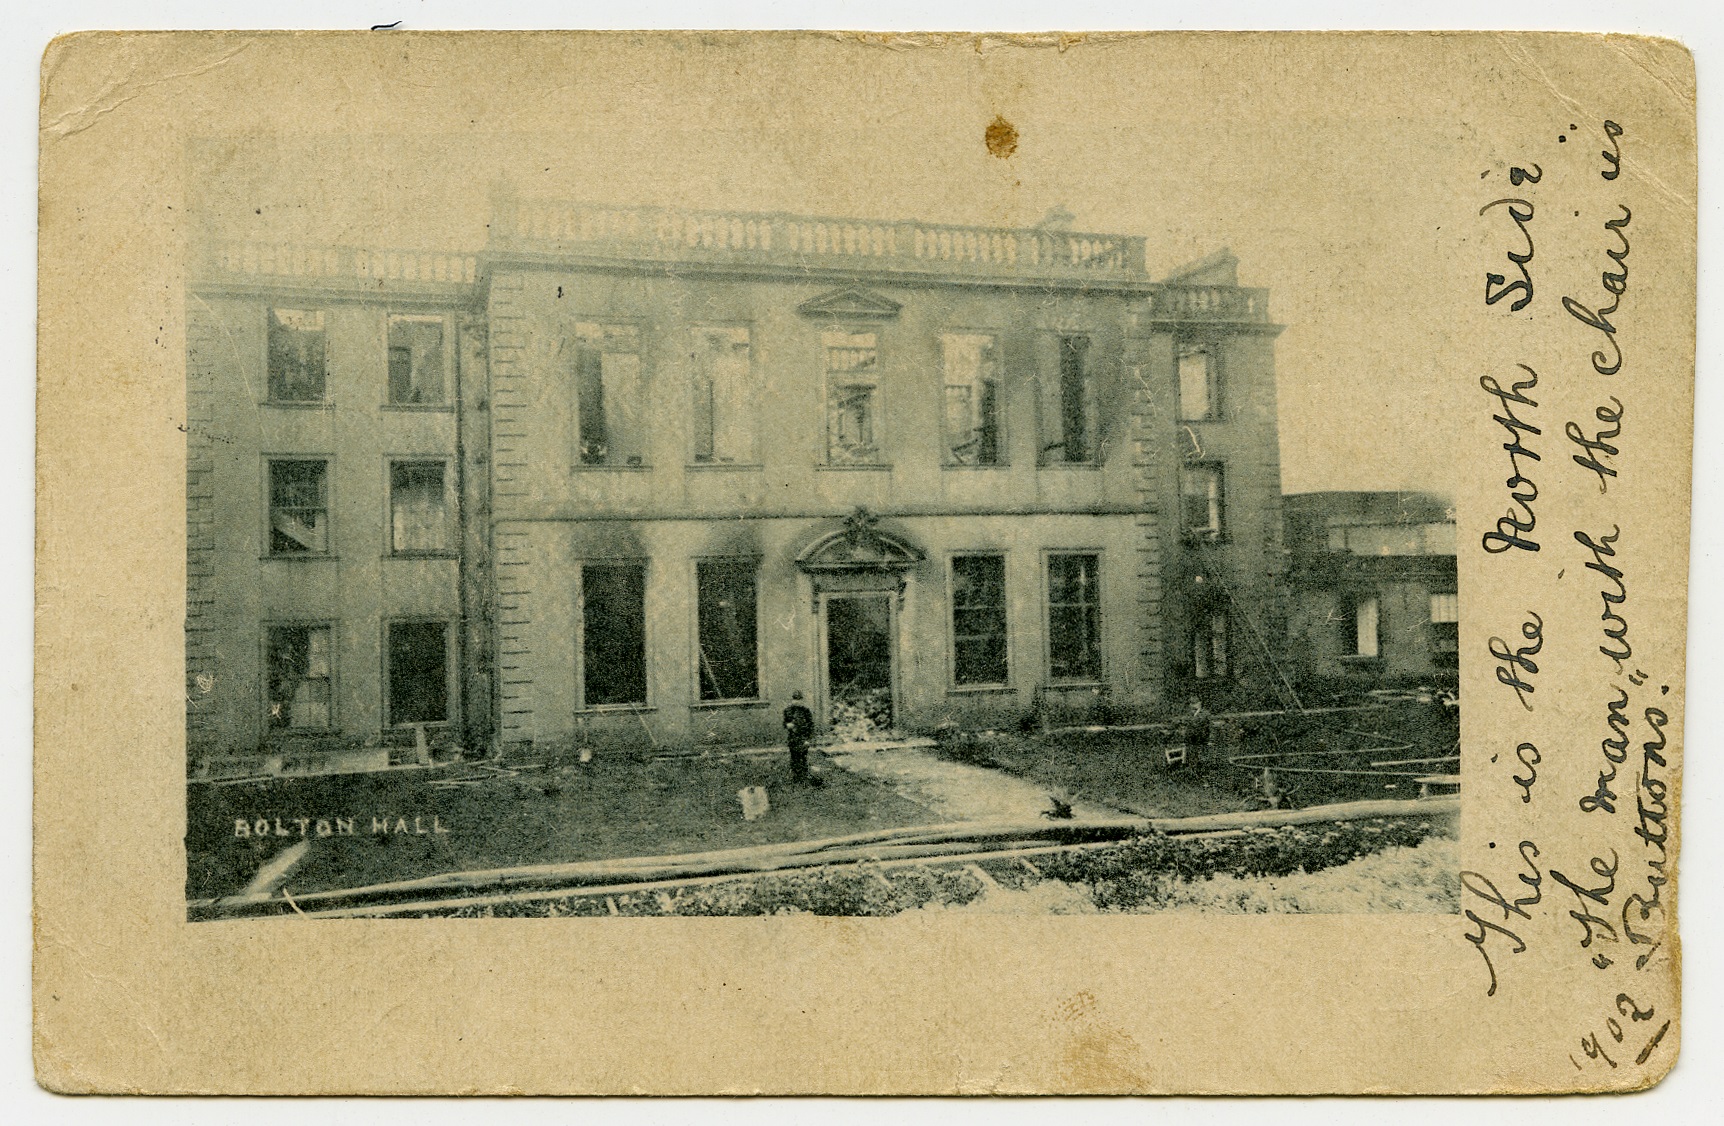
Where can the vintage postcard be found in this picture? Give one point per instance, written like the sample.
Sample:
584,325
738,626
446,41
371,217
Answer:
838,563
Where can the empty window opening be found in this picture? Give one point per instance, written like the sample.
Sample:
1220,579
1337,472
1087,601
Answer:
298,507
418,672
1210,646
298,668
613,634
725,401
609,395
415,359
1445,630
979,619
1198,391
728,647
1074,617
1075,441
972,407
1201,500
852,390
418,507
296,355
1361,626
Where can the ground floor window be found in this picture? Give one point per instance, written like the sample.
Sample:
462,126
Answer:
1445,630
979,619
1360,625
297,664
1211,652
1074,617
418,672
613,634
728,649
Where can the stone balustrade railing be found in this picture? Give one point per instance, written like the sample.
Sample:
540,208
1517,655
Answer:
665,234
305,262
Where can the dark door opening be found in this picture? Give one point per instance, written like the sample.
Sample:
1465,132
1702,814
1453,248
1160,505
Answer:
859,663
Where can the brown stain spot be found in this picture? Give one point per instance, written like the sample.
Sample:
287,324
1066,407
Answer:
1001,137
1094,1055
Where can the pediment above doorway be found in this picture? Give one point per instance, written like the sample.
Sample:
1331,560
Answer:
851,304
860,547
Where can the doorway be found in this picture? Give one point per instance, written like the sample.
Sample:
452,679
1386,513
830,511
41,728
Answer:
860,681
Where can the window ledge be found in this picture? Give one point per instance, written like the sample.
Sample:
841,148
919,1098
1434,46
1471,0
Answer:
717,705
302,557
616,709
1360,660
1081,465
981,690
960,465
1074,685
863,467
581,467
299,405
430,408
724,466
420,555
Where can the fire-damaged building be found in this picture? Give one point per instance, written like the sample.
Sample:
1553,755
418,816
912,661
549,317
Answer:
631,475
1372,581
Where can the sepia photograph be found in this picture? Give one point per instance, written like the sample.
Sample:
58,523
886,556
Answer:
609,555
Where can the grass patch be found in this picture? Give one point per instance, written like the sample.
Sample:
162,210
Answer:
615,806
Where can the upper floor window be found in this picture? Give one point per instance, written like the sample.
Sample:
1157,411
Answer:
1071,420
415,359
296,356
298,507
418,507
1074,617
610,398
725,398
1199,385
1201,500
852,397
971,365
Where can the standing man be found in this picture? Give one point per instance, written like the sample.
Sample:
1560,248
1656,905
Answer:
798,728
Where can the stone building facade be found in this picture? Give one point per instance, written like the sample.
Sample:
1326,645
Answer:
1372,580
691,463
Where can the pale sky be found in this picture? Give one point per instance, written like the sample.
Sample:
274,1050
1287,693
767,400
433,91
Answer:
1328,198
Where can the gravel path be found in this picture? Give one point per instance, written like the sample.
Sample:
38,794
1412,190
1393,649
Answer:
952,790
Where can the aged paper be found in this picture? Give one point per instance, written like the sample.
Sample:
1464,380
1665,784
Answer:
824,563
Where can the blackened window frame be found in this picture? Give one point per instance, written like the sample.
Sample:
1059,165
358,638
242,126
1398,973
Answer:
737,564
1203,639
957,638
606,660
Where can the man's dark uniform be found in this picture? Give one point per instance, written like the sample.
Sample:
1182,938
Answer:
798,727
